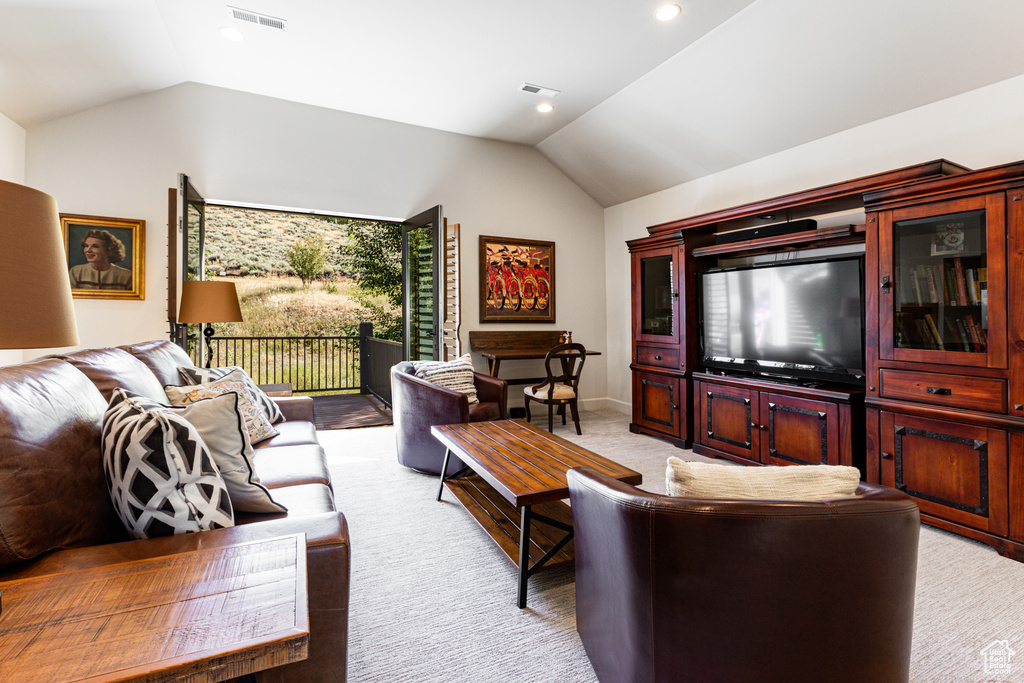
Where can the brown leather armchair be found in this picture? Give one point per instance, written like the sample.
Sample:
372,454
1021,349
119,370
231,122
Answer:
675,589
416,405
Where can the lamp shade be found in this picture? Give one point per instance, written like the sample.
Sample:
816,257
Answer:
209,301
35,293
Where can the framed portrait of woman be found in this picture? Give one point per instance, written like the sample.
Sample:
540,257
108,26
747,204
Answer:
106,256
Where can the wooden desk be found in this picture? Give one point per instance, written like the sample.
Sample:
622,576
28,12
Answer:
201,616
520,479
515,345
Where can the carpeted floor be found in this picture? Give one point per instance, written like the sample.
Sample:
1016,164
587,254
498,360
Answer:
433,599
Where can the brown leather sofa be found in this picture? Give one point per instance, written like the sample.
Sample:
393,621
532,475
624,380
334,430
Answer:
674,589
417,405
56,514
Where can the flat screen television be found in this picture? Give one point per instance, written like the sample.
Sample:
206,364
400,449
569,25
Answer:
800,320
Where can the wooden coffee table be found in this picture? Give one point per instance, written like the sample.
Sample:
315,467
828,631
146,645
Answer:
519,479
201,616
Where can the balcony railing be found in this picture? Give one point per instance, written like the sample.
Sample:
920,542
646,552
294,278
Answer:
310,364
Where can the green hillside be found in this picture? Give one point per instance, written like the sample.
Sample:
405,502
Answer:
254,241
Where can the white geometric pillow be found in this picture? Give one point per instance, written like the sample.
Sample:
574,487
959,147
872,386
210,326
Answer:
161,477
456,375
256,423
193,375
799,482
220,423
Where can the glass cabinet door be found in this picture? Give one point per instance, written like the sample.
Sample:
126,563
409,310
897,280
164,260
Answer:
944,270
657,296
941,283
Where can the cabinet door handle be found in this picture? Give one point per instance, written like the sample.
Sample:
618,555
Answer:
763,428
885,284
942,391
886,456
675,407
657,358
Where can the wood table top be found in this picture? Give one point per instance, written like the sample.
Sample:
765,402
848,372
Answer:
201,616
524,464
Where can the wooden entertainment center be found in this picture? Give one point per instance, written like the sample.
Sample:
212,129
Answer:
941,413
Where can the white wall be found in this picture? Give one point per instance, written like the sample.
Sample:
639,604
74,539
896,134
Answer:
119,159
978,129
12,169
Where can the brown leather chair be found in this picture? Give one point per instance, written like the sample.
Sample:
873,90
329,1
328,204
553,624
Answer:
417,405
675,589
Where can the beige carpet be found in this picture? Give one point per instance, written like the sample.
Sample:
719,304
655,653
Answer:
434,600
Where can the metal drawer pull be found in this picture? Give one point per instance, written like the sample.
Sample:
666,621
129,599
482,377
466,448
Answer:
657,358
940,390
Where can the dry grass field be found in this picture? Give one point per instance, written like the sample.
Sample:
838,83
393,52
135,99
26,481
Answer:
278,306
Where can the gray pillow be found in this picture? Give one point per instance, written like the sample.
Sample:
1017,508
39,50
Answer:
194,375
456,375
219,421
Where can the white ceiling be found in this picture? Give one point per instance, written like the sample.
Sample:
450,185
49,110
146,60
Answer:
644,105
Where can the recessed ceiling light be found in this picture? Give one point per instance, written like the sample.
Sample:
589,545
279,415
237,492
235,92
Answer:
232,33
668,12
544,108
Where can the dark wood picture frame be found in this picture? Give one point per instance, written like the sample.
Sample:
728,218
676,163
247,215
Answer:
517,280
125,241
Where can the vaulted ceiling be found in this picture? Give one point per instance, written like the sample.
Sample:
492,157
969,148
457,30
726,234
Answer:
644,105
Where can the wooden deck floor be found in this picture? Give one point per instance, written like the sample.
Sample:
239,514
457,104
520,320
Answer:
347,411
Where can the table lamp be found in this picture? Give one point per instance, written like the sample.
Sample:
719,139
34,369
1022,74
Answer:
35,293
209,301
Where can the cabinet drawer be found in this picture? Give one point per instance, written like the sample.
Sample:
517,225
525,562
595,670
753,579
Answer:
958,391
665,358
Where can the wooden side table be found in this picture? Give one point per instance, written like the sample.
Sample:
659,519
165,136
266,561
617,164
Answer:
201,616
279,390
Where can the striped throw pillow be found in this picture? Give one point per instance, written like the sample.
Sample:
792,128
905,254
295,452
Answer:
456,375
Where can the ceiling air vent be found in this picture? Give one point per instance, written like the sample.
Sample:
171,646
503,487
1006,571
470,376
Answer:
539,90
257,18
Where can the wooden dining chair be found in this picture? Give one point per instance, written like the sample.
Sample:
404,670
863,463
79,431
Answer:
562,389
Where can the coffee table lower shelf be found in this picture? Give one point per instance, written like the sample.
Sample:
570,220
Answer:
501,521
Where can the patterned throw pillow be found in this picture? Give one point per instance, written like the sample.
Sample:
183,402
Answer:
456,375
161,477
797,482
256,423
220,423
194,375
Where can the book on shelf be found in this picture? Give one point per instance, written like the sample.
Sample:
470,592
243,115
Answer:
972,280
932,283
983,299
950,286
961,293
965,335
916,280
924,335
930,321
954,333
977,335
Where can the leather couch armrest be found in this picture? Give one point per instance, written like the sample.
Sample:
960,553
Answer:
492,389
295,408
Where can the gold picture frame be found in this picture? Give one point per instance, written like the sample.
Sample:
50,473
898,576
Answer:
106,256
517,280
